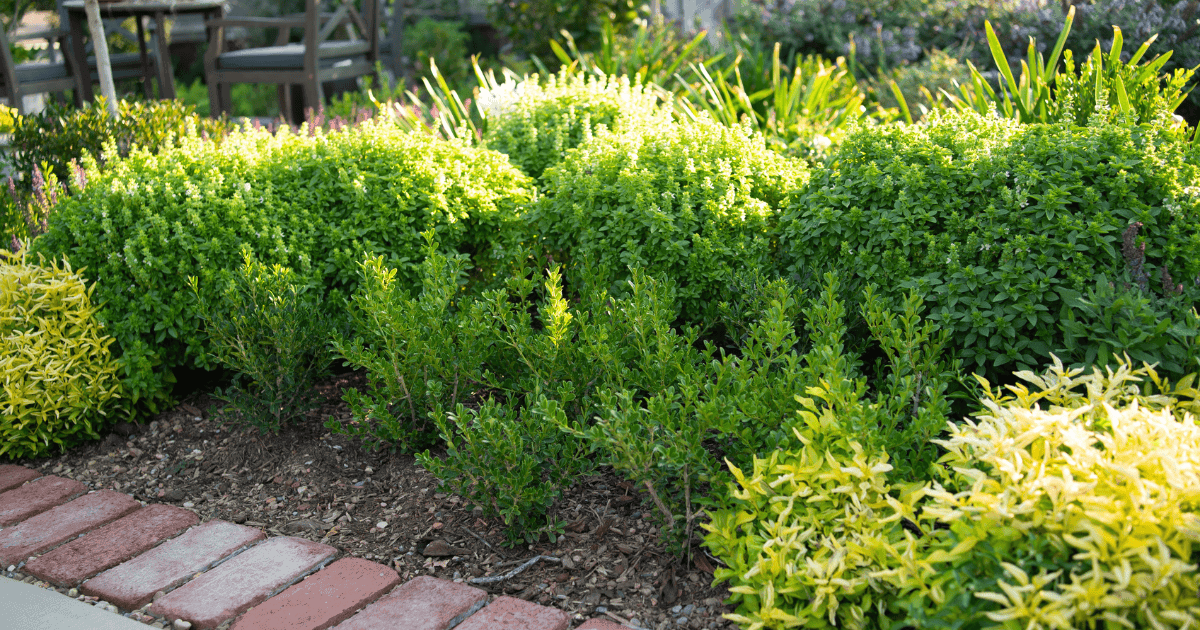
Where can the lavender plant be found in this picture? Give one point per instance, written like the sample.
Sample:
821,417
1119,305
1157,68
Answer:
24,215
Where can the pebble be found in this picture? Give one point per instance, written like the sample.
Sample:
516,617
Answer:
181,624
687,610
189,504
12,567
682,621
381,524
600,610
676,609
73,592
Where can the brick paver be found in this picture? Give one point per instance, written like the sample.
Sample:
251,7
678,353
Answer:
601,624
12,476
133,584
243,581
111,545
36,497
58,525
510,613
423,603
322,599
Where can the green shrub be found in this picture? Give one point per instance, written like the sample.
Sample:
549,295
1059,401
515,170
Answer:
420,362
312,202
427,354
513,462
1000,226
610,377
1060,507
530,26
445,41
60,135
688,202
536,122
60,382
274,332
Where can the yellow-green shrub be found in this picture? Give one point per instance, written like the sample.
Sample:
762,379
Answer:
1073,504
801,537
1079,515
59,378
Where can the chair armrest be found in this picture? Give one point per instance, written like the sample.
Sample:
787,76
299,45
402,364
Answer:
51,33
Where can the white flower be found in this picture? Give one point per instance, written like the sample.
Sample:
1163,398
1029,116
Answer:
246,186
822,142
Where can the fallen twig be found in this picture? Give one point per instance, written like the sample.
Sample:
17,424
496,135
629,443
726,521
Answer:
479,538
500,578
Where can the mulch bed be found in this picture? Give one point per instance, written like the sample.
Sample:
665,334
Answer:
309,483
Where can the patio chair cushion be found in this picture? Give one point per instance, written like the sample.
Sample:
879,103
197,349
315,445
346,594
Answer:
37,72
287,56
122,60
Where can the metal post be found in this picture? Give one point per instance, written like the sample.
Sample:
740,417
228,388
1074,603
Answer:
103,65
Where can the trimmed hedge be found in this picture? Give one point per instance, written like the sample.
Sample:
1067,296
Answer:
536,123
1004,229
313,202
690,202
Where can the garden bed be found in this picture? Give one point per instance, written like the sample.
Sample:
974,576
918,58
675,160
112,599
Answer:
306,482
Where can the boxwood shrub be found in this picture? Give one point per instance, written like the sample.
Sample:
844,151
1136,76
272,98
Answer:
310,201
690,201
535,122
1007,229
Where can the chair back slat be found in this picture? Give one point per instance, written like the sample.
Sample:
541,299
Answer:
339,16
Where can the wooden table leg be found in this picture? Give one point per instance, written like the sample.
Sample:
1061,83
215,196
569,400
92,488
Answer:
84,79
166,75
145,57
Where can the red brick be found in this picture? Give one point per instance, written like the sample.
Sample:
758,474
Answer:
58,525
13,476
324,598
111,545
245,580
510,613
36,497
423,603
601,624
133,584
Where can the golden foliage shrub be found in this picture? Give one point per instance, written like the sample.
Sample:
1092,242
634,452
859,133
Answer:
1071,504
59,379
1080,514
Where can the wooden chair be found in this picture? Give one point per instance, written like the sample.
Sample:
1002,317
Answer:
124,65
316,60
54,75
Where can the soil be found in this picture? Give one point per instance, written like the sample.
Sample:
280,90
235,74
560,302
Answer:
307,482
